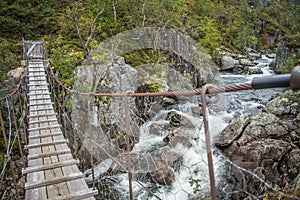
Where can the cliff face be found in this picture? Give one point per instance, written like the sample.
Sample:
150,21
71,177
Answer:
264,150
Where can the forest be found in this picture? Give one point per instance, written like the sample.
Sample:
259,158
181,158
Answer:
71,28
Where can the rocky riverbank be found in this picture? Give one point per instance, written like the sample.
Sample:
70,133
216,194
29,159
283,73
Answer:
264,150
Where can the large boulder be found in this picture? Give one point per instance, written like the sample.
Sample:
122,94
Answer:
178,120
262,145
228,63
158,166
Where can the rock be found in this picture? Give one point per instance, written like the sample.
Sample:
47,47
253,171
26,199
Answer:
241,69
259,144
285,104
278,106
167,101
255,70
252,54
164,175
296,121
245,62
178,137
157,129
228,63
281,56
120,164
196,111
171,157
232,132
16,73
271,55
177,120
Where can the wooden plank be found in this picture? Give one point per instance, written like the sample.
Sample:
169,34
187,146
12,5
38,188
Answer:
32,70
46,154
29,146
43,121
41,104
44,127
40,109
82,194
45,135
40,99
38,84
35,75
38,89
50,166
42,115
53,181
39,93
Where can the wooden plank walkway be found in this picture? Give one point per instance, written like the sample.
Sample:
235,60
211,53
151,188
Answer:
52,172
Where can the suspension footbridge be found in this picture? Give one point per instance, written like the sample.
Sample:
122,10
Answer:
52,172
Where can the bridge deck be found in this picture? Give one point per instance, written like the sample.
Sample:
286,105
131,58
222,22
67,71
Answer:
52,172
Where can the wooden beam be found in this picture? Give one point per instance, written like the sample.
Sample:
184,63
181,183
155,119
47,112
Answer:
29,186
43,121
45,93
42,115
46,135
40,109
82,194
41,104
45,144
48,154
44,127
50,166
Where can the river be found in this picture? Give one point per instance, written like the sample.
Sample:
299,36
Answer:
192,177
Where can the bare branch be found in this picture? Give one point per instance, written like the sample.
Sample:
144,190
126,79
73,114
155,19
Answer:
75,18
144,16
92,30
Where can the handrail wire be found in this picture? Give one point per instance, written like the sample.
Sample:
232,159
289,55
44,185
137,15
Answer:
231,88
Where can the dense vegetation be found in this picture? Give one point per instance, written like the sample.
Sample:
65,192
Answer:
72,27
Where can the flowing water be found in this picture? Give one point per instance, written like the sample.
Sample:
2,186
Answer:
194,165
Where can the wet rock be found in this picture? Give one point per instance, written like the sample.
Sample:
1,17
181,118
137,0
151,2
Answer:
255,70
167,101
228,63
171,157
164,175
157,129
241,69
196,111
178,137
121,163
252,54
245,62
271,55
177,120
